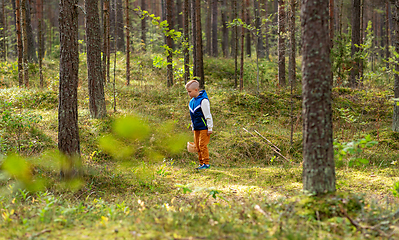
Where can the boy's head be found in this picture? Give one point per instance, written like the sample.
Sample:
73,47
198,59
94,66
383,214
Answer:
192,88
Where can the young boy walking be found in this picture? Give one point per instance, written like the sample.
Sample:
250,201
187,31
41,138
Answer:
201,121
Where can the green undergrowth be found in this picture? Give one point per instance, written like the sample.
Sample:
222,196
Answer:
146,187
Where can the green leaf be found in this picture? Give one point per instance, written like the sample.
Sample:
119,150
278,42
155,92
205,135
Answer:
131,127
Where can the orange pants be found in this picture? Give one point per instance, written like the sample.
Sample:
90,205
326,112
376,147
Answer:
201,140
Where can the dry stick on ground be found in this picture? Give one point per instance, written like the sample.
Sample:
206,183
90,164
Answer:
362,228
272,146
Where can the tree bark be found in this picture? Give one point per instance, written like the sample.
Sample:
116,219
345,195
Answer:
225,33
169,43
354,74
120,35
40,39
242,49
186,41
25,42
127,44
395,118
214,45
19,43
144,26
32,57
387,34
200,66
331,10
267,52
68,130
106,42
208,29
94,69
281,43
259,37
235,42
292,62
179,15
246,19
2,33
318,153
194,37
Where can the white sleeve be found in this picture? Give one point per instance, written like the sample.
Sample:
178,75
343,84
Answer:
206,110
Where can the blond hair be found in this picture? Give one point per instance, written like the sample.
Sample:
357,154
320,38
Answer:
194,84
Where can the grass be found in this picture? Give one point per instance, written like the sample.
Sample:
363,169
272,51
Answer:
155,193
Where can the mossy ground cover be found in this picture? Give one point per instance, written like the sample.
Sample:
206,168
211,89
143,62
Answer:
249,192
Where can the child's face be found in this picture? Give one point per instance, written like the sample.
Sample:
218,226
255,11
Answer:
192,92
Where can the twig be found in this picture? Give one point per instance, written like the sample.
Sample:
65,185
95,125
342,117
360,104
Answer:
40,233
268,140
276,151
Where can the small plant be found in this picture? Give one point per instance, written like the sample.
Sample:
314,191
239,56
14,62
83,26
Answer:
341,150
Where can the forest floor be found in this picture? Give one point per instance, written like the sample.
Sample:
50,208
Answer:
146,187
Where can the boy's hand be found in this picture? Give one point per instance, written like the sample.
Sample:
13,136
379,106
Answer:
209,132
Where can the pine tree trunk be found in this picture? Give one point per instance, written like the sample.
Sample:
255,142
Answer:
32,57
2,34
331,9
127,44
94,69
208,29
200,66
169,43
25,42
214,45
235,37
225,33
68,130
354,74
106,51
120,35
246,18
19,43
40,39
259,37
179,15
186,40
281,43
112,29
143,27
242,49
318,153
292,62
267,52
387,34
395,118
194,37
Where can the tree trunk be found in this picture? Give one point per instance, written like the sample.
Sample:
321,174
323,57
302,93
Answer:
25,42
19,43
331,9
246,19
127,44
186,41
214,45
242,49
106,42
395,119
208,29
194,37
169,43
225,33
179,15
292,62
68,130
387,34
354,76
281,43
144,26
259,37
267,52
120,35
40,39
200,66
32,57
318,153
94,69
2,33
235,42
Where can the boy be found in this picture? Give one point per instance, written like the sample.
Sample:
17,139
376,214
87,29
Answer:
201,121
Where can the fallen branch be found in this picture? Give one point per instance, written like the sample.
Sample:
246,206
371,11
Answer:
271,146
40,233
268,140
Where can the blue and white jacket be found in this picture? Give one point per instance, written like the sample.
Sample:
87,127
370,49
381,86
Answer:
201,119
